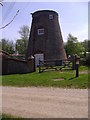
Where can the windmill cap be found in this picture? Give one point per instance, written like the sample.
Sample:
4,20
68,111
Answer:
41,12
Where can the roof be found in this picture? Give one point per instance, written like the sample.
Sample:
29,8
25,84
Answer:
44,12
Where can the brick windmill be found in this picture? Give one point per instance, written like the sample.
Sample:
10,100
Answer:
45,41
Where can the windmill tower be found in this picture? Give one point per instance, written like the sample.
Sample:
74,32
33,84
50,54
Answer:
45,41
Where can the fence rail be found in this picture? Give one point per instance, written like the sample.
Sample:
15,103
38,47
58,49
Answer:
54,64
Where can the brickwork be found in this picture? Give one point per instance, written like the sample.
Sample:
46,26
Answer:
51,42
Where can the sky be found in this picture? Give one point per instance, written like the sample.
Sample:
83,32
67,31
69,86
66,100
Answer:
73,17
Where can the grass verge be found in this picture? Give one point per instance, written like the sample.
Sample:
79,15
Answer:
9,117
50,78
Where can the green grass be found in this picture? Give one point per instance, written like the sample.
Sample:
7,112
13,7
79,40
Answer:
13,117
8,116
47,79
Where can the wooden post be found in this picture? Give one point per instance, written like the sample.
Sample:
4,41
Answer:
39,67
77,65
77,70
73,63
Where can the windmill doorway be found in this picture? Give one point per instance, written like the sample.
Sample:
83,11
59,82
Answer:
37,58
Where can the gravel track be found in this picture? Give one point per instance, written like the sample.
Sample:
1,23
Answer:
39,102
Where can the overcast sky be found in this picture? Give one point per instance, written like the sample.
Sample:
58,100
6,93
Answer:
73,17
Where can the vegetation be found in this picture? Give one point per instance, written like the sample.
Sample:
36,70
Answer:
21,44
64,79
85,45
73,46
7,46
8,116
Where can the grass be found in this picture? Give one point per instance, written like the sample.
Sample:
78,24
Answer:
47,79
11,117
8,116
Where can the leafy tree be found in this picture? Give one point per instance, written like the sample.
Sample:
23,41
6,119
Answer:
21,44
85,45
24,32
73,46
7,46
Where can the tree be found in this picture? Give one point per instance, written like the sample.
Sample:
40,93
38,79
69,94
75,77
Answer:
73,46
7,46
85,45
24,32
21,44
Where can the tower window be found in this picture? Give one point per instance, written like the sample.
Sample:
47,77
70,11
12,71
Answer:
40,31
50,16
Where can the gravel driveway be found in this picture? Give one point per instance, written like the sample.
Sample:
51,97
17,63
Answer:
39,102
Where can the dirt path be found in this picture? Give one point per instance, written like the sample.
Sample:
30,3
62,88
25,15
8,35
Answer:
35,102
